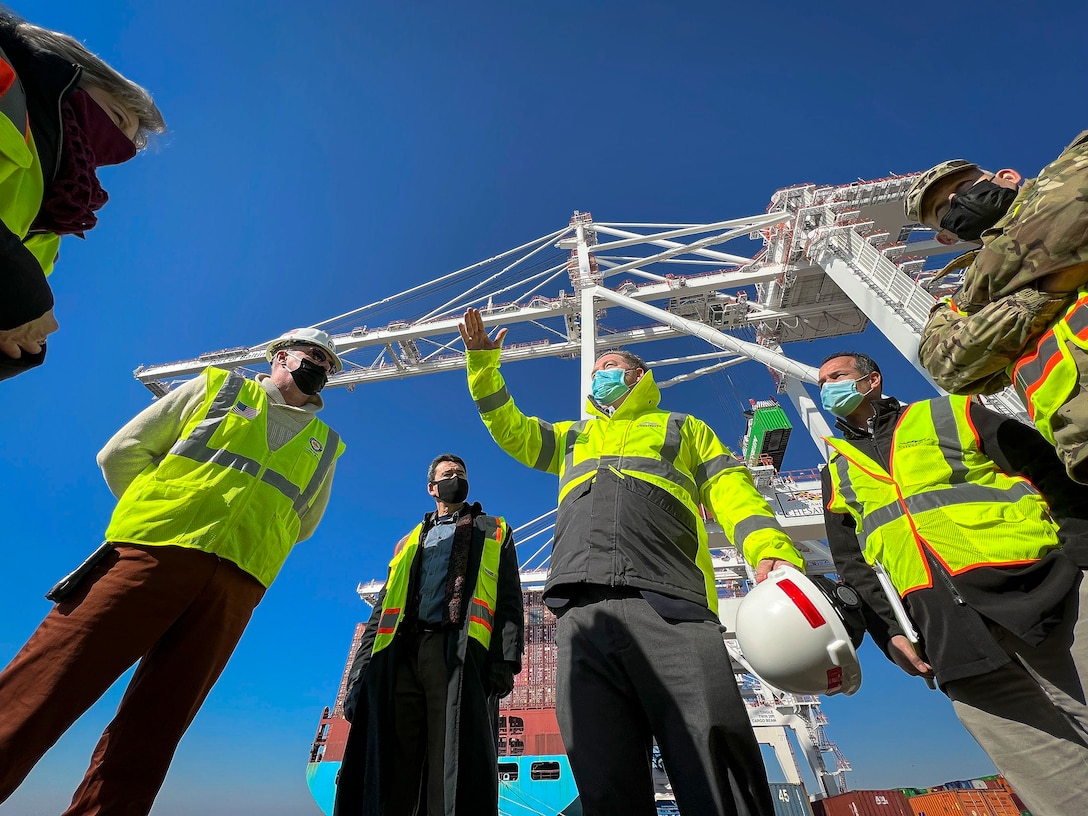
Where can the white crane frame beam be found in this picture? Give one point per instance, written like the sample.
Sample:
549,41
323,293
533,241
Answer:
754,351
446,327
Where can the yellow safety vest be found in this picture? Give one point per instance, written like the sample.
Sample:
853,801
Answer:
1047,377
221,490
21,174
943,496
481,609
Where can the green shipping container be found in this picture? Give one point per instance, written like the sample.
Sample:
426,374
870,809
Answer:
769,431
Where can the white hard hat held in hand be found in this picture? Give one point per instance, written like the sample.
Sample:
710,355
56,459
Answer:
800,634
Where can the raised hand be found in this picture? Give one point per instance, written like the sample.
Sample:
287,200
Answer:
475,335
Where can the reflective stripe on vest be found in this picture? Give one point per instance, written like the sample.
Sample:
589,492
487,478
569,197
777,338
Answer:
222,490
479,612
195,447
957,497
664,466
387,623
1030,373
481,607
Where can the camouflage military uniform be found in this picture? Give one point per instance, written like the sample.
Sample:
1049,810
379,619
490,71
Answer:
974,337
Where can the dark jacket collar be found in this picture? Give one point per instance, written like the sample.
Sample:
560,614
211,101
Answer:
886,411
46,79
475,508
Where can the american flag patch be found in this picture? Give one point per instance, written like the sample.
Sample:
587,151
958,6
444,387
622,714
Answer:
242,409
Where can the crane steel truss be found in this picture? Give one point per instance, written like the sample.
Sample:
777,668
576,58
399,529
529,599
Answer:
825,265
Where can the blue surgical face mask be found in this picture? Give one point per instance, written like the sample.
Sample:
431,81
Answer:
842,398
608,385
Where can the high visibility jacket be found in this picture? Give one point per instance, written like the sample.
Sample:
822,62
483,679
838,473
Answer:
481,609
630,486
220,489
1048,377
28,160
942,498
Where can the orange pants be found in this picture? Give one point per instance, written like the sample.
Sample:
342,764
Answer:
180,613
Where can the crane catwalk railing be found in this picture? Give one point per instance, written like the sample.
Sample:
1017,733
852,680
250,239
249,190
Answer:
909,300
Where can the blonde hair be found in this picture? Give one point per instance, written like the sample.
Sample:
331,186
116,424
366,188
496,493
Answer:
95,72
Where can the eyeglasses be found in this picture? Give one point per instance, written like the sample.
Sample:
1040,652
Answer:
316,355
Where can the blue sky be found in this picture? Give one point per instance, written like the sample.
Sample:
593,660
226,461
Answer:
324,154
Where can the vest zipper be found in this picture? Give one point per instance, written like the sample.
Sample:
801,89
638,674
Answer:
946,579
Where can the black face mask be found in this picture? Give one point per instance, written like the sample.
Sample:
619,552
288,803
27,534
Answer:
309,376
453,490
974,212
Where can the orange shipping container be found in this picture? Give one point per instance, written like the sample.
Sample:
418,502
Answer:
964,803
940,803
1001,803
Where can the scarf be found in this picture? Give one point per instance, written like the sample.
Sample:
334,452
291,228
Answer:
91,139
458,568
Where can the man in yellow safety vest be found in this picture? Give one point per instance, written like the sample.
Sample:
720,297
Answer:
442,645
983,535
215,482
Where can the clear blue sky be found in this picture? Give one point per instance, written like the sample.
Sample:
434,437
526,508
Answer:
324,154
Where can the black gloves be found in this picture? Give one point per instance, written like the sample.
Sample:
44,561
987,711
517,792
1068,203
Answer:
351,702
500,681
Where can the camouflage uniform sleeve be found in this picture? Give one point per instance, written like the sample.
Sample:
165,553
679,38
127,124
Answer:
967,349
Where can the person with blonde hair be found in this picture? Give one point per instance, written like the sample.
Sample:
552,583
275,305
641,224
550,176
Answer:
64,113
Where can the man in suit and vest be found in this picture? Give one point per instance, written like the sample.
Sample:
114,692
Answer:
631,580
215,482
442,646
983,535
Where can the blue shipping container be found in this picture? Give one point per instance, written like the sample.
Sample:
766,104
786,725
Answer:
790,800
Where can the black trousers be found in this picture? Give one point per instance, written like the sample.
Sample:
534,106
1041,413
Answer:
419,735
627,676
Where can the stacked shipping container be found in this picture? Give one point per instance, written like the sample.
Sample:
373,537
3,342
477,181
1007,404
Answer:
534,687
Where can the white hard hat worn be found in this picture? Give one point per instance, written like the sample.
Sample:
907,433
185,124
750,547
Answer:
794,632
306,337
